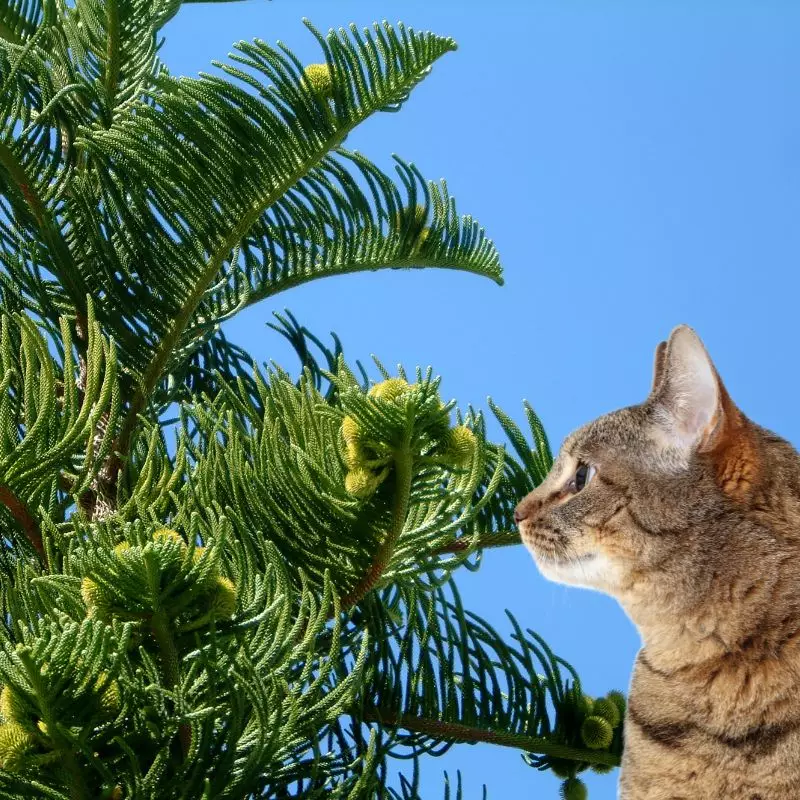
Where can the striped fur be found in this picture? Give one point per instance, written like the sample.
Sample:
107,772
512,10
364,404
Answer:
692,521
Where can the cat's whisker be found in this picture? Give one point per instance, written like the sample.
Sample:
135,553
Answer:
576,560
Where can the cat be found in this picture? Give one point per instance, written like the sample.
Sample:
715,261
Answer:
688,514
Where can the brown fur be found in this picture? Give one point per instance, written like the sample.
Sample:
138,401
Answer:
692,521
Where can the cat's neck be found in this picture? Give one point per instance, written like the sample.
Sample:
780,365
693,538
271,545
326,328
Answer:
749,611
679,641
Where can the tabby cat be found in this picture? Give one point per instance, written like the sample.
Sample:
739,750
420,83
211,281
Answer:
689,514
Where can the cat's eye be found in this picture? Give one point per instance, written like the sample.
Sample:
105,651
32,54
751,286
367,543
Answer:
581,479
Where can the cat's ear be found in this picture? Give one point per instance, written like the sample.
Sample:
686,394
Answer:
687,394
658,366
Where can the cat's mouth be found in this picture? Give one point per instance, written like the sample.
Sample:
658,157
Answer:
553,553
560,560
569,560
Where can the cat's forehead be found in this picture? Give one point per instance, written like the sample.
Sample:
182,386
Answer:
620,429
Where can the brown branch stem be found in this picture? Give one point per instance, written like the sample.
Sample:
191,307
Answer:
403,466
23,516
51,233
161,628
486,541
459,732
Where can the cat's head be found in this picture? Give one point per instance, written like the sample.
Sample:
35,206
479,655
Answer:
637,492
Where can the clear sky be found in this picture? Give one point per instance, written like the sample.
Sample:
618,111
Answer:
638,166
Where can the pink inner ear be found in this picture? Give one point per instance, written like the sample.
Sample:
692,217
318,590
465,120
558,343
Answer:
691,414
705,401
689,393
696,426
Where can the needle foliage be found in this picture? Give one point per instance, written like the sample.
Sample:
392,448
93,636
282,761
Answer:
220,580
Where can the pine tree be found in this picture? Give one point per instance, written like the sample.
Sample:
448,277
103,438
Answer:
219,581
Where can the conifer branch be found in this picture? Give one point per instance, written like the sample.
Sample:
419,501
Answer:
403,262
77,785
396,64
78,789
112,64
23,516
191,644
19,20
458,732
210,271
9,35
170,659
17,172
403,473
484,542
50,232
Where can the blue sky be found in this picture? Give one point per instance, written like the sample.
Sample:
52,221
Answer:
638,166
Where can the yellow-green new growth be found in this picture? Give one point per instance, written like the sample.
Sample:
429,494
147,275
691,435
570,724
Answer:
419,215
597,733
421,239
460,445
97,601
15,745
109,694
11,707
354,455
350,431
389,390
121,548
361,482
223,603
210,572
319,79
167,534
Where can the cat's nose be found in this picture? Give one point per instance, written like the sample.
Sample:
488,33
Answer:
527,508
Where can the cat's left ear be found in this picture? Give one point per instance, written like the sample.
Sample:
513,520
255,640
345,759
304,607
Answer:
658,366
688,398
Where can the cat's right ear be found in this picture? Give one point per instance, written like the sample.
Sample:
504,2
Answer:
687,394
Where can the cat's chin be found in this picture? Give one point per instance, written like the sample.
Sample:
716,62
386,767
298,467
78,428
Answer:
592,570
